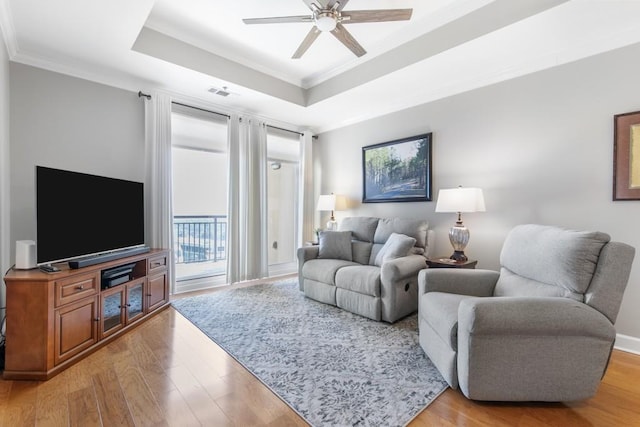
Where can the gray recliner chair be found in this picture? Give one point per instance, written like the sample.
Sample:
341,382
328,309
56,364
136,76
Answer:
539,330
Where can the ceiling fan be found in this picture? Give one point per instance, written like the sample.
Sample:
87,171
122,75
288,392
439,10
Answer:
328,16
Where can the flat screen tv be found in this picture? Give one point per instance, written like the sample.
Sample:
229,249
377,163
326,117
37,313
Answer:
81,215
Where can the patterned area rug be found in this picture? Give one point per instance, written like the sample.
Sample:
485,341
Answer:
333,367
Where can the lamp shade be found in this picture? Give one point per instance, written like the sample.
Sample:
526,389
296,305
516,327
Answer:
460,200
326,202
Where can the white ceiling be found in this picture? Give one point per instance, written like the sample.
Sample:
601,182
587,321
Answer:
188,46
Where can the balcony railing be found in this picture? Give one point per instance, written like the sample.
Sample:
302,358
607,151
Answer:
200,238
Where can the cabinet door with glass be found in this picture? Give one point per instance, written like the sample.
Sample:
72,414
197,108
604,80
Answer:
121,306
134,301
112,314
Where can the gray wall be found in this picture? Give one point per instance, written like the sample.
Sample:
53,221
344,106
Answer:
68,123
541,147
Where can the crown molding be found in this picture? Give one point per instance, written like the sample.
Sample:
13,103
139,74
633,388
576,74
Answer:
125,82
134,85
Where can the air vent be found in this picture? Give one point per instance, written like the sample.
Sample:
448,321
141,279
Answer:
221,92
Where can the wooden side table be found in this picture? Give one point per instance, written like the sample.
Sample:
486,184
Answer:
450,263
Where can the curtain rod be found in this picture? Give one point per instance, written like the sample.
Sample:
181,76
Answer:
140,95
292,131
201,109
285,130
289,130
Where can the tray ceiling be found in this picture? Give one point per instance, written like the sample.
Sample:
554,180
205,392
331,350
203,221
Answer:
190,46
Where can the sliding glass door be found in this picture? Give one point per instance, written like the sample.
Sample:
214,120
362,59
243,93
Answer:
199,163
283,155
200,174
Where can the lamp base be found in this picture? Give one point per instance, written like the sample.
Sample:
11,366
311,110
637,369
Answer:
459,256
459,237
332,225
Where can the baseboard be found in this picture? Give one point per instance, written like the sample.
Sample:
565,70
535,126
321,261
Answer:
627,343
283,269
199,283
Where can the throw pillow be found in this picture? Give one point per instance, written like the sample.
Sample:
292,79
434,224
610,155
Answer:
396,246
335,245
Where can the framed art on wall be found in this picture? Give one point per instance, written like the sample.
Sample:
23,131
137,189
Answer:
626,156
397,171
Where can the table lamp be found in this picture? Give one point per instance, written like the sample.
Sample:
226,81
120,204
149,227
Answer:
327,202
460,200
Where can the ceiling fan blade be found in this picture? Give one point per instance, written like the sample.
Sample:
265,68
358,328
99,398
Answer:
321,3
279,19
383,15
341,33
341,4
308,40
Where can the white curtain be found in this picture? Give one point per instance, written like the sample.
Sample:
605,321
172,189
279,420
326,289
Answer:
306,213
247,208
158,188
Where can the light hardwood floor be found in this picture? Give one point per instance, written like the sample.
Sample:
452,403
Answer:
166,372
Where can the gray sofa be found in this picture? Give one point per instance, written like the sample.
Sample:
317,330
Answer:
369,266
541,329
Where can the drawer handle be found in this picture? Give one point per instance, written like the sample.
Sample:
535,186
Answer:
80,287
155,265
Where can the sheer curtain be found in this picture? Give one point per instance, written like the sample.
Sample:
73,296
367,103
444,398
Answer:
247,207
305,190
158,193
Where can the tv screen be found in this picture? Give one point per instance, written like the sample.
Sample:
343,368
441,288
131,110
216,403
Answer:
79,214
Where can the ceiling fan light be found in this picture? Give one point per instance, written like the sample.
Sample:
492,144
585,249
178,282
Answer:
325,22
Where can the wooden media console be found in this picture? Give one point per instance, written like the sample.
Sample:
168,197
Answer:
56,319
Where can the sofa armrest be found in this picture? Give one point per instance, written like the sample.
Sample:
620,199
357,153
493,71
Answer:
305,253
401,268
399,286
479,283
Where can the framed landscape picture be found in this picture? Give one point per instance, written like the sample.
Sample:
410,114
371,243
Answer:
397,171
